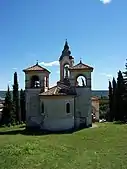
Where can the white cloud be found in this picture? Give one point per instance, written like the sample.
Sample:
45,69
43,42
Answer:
107,75
14,68
106,1
54,63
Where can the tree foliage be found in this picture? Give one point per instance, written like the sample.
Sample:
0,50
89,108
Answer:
8,114
103,107
119,114
110,113
16,97
118,97
22,105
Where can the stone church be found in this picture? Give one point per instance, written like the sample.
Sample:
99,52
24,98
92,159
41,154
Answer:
65,106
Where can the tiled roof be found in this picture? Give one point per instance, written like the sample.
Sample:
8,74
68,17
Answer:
80,66
36,68
60,89
51,91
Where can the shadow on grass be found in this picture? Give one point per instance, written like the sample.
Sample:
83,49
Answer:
38,132
120,122
34,132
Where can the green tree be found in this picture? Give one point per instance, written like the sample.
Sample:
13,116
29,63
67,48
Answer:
114,99
22,105
120,114
125,91
104,108
110,113
8,114
16,97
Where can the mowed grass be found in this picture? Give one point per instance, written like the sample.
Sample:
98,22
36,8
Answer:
103,147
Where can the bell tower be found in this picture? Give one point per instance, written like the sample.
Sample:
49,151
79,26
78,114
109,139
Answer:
36,81
66,61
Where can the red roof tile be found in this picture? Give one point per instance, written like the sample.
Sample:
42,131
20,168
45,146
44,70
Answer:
36,68
81,66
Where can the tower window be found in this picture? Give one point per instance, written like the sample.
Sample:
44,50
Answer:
67,107
35,83
81,81
66,71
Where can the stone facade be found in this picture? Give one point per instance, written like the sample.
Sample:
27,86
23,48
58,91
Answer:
65,106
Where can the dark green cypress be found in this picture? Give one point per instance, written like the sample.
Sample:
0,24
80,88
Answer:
110,113
125,91
22,105
8,114
119,115
16,97
114,100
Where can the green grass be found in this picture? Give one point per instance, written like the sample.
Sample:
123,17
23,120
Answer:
103,147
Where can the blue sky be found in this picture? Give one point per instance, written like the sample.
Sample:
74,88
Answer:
33,30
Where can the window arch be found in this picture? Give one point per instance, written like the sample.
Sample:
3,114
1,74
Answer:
35,82
81,81
42,108
67,107
66,71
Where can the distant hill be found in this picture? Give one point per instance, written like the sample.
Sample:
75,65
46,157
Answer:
98,93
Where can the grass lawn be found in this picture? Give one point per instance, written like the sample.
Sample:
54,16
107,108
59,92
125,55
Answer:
103,147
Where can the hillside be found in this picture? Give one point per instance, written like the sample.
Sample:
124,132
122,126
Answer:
102,147
98,93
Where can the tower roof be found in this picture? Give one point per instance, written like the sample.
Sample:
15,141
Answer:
36,67
66,51
81,66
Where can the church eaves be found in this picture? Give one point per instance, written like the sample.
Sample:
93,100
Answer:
81,66
36,67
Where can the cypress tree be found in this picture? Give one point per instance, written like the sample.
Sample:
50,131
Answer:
22,105
125,91
16,97
114,99
119,97
110,113
7,114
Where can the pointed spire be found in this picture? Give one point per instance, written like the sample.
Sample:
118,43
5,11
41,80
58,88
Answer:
66,51
66,46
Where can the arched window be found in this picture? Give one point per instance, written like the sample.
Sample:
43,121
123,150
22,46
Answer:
42,108
81,81
67,107
35,83
66,71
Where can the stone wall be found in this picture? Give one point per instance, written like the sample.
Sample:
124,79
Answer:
56,117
